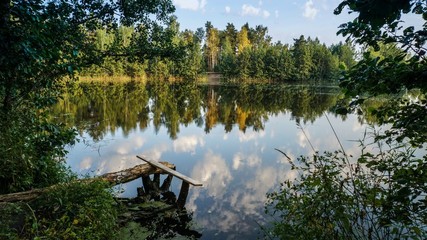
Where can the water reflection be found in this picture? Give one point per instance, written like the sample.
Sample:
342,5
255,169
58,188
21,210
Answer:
98,109
224,136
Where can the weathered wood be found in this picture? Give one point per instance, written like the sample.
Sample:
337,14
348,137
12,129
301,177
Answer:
131,174
114,178
23,196
166,183
147,184
183,193
172,172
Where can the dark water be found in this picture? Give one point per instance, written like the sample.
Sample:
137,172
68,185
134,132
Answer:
223,136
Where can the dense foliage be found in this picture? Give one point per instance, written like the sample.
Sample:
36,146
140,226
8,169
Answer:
242,55
42,45
380,194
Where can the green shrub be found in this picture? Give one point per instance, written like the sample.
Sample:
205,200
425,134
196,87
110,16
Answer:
77,210
376,196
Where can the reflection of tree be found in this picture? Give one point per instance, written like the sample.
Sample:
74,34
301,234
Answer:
98,108
211,110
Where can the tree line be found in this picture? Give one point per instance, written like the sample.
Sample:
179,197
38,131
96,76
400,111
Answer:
239,55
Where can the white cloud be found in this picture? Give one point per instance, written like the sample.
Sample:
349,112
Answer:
227,9
190,4
203,4
249,10
309,10
265,13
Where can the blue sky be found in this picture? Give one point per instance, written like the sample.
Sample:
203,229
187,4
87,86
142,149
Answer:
285,19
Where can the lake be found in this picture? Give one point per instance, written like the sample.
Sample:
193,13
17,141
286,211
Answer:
223,136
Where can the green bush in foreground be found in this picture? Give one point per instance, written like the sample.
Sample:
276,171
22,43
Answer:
377,196
75,210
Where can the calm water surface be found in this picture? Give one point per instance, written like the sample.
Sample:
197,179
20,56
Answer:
223,136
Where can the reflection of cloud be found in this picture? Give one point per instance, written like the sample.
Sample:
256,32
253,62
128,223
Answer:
116,163
256,188
122,150
240,159
86,163
248,136
215,175
213,172
302,138
139,141
237,159
283,159
187,144
156,152
225,136
133,143
235,209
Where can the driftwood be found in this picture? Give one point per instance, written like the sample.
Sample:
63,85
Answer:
114,178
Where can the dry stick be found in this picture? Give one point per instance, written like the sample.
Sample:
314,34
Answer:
283,153
336,136
308,140
289,159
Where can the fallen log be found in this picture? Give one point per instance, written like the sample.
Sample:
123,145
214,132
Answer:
130,174
114,178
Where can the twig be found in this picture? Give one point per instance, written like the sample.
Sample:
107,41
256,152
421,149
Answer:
306,137
283,154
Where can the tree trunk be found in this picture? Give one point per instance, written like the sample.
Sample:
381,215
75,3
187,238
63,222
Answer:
114,178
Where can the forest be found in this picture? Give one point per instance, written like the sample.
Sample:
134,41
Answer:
239,55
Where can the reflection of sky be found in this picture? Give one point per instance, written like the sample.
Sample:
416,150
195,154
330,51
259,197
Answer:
236,168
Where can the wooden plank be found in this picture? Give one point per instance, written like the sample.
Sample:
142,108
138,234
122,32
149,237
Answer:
173,172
